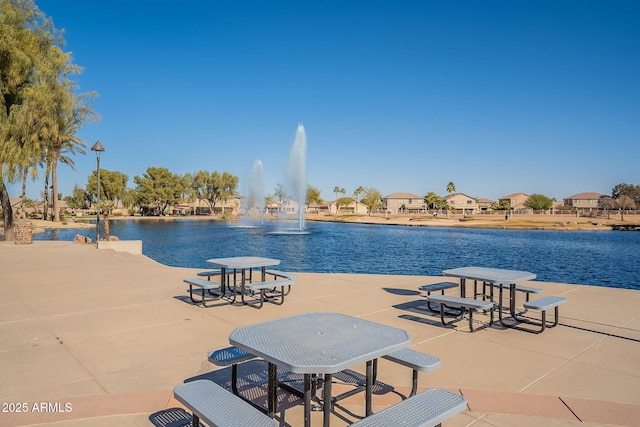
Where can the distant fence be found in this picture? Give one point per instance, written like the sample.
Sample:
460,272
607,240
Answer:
580,212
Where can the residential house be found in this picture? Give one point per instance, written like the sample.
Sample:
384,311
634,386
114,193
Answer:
36,207
516,201
284,208
462,204
404,203
484,205
331,208
587,201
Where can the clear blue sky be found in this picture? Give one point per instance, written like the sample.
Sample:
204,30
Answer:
497,96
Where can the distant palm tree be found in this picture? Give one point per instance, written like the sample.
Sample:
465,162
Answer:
338,190
357,193
451,187
106,206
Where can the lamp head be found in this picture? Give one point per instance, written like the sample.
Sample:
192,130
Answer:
97,147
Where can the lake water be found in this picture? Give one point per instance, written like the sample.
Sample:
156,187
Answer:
600,258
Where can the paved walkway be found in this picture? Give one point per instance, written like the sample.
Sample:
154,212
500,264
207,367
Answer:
99,338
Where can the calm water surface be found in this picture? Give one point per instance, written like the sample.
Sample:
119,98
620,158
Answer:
600,258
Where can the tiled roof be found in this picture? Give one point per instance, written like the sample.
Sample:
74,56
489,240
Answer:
514,195
403,196
589,195
452,195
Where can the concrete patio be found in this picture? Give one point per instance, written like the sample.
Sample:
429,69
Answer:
99,338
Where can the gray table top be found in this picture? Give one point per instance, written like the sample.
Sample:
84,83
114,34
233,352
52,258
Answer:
240,262
494,275
319,343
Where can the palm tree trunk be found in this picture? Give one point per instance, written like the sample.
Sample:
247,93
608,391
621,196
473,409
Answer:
45,208
55,214
7,213
105,216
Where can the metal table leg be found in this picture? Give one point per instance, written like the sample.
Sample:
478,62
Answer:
327,403
307,400
272,392
369,389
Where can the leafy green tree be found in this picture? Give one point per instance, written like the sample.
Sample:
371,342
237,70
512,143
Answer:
25,36
159,188
214,187
128,197
313,195
39,111
608,204
278,193
630,190
338,190
372,199
78,198
625,202
343,201
538,202
113,185
441,204
431,199
51,113
501,206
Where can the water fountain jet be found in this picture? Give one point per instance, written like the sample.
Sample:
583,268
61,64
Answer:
297,173
253,206
295,186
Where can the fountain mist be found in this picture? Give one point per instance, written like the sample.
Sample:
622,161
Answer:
296,183
254,204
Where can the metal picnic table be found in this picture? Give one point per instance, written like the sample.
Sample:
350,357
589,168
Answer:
318,343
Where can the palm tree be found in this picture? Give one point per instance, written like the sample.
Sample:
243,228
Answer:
359,190
106,206
451,187
338,190
68,114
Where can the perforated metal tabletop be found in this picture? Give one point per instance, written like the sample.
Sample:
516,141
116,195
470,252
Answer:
319,343
243,262
493,275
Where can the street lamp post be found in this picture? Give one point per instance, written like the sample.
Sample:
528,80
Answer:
98,148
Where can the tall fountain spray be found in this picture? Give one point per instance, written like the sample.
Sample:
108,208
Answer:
254,209
296,183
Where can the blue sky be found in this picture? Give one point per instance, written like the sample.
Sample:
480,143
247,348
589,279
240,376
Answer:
497,96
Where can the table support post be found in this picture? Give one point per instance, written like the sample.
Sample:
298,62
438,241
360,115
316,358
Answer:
272,393
369,388
307,400
327,400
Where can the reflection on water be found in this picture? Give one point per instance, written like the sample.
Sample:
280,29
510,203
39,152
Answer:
601,258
